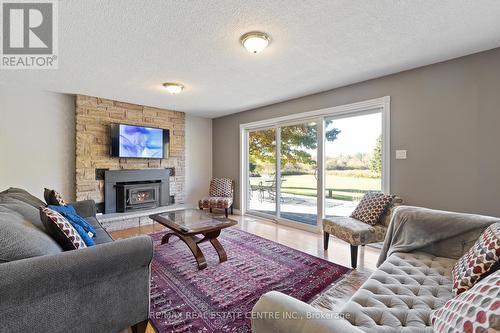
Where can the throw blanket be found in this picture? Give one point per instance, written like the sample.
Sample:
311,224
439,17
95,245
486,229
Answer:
414,228
84,229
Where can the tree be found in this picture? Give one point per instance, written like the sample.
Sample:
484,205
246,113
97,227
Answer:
376,161
295,141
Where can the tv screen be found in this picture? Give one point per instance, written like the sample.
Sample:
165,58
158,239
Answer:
138,141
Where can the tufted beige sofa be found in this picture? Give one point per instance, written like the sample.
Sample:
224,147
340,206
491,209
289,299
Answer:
401,294
398,297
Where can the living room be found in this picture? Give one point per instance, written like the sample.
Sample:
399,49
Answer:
217,167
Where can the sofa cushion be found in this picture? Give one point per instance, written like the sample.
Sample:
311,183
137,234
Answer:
85,208
478,261
29,212
401,294
52,197
20,239
93,222
22,195
476,310
102,236
372,207
354,231
61,229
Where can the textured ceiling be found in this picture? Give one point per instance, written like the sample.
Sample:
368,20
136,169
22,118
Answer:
124,50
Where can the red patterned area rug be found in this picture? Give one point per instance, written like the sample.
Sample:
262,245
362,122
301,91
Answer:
220,298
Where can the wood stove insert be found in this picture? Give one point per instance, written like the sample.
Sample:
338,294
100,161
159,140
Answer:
133,196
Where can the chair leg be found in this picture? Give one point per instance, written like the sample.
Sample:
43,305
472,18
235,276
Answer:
232,213
354,256
210,209
225,209
140,327
326,238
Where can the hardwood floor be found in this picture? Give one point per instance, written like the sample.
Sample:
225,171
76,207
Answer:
305,241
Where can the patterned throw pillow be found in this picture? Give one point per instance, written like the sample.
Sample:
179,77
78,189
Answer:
221,187
61,230
476,310
480,258
53,197
371,208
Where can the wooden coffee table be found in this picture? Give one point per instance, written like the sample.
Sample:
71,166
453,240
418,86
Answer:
194,227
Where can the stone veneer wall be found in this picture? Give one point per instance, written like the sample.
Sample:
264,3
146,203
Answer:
93,117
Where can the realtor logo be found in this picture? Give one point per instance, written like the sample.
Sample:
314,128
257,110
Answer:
29,34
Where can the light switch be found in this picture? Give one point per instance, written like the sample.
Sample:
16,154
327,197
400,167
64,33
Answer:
401,154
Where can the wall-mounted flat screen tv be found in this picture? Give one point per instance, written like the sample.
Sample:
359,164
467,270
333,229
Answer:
139,142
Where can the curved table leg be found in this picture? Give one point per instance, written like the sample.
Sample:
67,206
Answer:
166,237
220,250
195,249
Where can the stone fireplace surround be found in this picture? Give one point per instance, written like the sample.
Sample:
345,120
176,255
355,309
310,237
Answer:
93,117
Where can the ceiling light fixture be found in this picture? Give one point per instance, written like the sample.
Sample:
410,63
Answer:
173,88
255,41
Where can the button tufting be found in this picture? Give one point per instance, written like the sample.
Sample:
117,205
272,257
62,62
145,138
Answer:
405,284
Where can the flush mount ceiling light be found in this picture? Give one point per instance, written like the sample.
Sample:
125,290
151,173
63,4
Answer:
255,41
173,88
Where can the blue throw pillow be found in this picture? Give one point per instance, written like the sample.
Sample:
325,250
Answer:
84,229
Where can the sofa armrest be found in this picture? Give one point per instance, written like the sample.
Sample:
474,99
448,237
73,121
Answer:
85,208
104,288
279,313
437,232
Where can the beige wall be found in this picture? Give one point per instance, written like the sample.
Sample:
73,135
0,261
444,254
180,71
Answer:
198,157
37,141
446,115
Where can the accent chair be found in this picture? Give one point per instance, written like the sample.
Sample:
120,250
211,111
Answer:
220,195
356,232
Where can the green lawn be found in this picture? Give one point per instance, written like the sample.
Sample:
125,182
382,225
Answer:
343,187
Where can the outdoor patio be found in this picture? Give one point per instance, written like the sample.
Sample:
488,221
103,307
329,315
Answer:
299,208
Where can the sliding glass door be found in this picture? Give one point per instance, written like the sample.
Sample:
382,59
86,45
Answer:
299,171
353,160
283,183
262,171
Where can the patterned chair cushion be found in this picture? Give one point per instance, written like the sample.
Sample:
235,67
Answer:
215,202
401,294
221,187
476,262
354,231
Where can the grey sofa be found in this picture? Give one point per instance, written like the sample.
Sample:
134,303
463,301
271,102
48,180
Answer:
104,288
412,280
